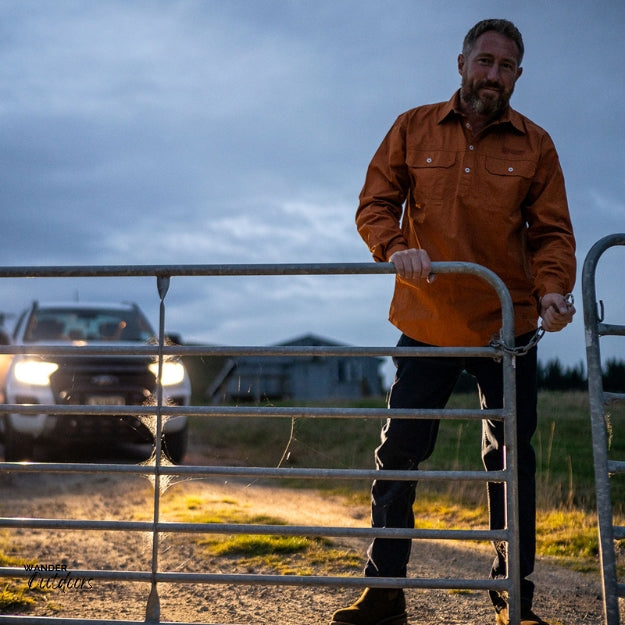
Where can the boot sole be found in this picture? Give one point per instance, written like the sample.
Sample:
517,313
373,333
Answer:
398,619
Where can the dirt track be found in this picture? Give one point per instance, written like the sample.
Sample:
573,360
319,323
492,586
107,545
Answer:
562,595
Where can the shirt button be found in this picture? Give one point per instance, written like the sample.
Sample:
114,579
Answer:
428,160
468,125
471,147
467,169
510,169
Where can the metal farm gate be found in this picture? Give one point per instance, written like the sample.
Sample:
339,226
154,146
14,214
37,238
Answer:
600,402
160,470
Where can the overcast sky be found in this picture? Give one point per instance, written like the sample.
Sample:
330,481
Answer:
191,132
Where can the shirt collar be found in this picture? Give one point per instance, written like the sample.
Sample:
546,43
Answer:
452,109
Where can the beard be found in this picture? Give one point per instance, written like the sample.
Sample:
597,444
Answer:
491,104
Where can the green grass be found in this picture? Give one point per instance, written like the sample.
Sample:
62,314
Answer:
282,554
15,593
565,473
562,442
563,445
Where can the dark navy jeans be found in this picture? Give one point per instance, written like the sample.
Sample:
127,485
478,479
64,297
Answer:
405,443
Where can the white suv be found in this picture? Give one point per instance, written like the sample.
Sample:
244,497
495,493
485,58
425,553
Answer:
88,380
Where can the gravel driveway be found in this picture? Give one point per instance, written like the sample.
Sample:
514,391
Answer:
564,596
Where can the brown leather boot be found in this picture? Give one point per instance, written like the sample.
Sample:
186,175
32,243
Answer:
376,606
527,617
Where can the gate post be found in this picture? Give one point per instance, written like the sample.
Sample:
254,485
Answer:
594,328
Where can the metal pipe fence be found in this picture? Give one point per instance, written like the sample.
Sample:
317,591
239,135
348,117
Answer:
157,469
599,403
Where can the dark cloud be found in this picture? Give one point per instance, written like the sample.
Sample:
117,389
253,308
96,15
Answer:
167,133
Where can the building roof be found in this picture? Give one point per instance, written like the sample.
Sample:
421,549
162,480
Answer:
310,340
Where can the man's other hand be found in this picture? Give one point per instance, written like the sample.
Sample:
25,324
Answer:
413,264
556,312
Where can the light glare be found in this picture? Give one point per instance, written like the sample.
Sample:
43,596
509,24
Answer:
173,372
36,372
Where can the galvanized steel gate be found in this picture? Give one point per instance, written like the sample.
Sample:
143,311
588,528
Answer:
599,401
161,470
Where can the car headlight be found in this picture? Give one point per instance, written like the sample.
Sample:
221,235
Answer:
173,372
36,372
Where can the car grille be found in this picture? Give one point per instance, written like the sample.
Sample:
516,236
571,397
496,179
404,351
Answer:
71,428
104,380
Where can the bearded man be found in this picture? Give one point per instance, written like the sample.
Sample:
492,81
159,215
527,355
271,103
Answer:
466,180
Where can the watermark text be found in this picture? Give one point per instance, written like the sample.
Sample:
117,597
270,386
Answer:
55,577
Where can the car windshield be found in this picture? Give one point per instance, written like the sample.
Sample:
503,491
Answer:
88,324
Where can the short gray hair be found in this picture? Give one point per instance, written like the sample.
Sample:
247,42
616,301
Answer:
503,27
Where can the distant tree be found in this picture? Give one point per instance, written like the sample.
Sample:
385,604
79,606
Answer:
614,376
576,377
553,376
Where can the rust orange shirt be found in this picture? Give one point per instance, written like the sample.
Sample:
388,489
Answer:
497,199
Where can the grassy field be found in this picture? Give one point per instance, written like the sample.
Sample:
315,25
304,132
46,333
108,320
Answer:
565,475
562,442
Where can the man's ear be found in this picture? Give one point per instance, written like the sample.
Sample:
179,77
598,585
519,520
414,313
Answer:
461,63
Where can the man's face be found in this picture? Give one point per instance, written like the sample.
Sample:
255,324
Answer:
489,73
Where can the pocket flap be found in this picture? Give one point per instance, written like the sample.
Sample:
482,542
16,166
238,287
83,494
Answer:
504,167
430,158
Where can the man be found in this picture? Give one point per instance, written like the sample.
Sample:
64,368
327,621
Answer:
467,180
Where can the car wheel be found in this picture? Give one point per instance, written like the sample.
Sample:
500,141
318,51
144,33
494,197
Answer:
17,446
175,444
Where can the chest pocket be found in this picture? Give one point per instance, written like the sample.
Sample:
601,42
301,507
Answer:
432,177
509,181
